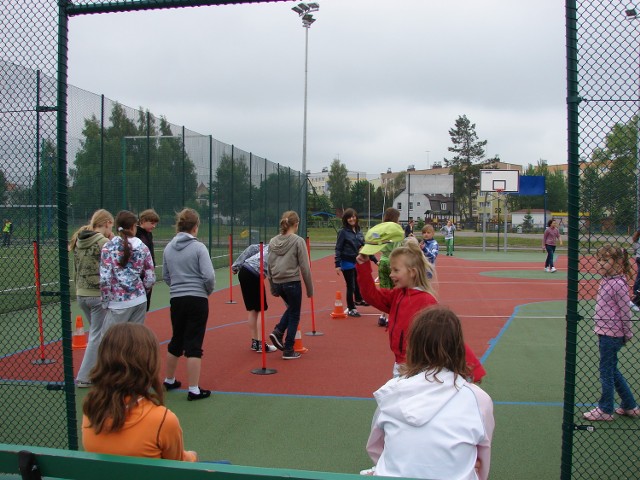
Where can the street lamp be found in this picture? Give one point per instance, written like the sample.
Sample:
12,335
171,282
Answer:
304,11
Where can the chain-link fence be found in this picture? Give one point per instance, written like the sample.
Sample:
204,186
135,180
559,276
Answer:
603,105
66,153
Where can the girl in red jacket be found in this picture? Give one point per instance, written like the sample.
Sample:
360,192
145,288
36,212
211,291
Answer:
412,292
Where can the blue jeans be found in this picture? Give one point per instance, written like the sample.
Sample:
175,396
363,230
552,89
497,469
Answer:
610,377
291,293
551,249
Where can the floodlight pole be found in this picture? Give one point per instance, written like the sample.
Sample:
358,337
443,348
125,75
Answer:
304,11
632,14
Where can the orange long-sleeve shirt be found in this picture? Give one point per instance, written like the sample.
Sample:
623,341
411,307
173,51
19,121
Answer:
150,430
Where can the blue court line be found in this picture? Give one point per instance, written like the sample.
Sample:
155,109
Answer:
494,341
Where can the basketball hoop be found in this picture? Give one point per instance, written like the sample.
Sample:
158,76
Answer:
499,191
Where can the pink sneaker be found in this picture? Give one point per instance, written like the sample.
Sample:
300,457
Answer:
633,413
597,415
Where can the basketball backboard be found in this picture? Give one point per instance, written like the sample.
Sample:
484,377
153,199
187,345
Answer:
506,181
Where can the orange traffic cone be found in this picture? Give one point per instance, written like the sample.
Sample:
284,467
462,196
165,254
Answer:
338,312
79,339
297,346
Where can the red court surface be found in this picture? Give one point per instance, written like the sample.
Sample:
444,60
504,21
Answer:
352,358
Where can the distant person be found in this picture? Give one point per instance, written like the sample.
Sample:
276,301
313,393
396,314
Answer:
7,230
430,422
549,239
124,412
147,221
247,267
384,268
429,245
348,243
288,261
449,234
408,229
86,246
614,327
188,272
125,261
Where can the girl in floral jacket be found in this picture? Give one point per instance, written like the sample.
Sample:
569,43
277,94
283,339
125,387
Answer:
123,261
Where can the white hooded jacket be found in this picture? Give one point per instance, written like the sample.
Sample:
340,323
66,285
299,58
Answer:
430,428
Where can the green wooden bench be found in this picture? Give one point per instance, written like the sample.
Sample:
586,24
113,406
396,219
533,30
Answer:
67,464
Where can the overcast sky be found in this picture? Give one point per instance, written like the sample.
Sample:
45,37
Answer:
386,82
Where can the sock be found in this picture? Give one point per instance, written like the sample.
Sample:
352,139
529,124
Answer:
170,381
195,390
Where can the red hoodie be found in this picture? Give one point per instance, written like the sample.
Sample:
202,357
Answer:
402,304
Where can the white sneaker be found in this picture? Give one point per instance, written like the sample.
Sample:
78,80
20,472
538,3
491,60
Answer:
368,471
634,307
553,269
546,269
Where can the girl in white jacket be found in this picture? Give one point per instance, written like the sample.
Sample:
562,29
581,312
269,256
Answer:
430,422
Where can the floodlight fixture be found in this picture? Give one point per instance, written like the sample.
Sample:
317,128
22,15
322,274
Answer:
303,6
307,20
298,10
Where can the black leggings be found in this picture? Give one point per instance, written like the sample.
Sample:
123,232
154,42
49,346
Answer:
353,292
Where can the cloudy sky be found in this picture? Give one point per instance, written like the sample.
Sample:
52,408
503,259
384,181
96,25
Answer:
386,81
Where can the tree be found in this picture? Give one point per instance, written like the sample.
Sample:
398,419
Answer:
231,188
527,223
3,187
360,193
464,166
132,165
338,183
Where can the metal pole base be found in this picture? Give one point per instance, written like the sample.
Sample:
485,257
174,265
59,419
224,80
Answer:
43,361
230,302
314,334
264,371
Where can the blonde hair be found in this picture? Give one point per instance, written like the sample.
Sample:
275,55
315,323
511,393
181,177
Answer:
288,220
415,261
620,257
187,219
428,229
98,219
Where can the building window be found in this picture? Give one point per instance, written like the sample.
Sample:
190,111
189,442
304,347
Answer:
399,206
410,206
443,207
418,203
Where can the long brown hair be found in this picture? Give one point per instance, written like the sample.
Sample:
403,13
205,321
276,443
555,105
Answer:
288,220
125,224
391,215
98,219
346,215
128,367
435,342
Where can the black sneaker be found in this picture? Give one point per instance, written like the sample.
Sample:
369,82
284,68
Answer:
199,396
362,303
276,337
172,386
255,344
382,321
291,355
353,313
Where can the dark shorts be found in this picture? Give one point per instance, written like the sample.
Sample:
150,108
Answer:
250,287
189,317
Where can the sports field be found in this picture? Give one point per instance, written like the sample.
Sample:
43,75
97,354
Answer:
315,413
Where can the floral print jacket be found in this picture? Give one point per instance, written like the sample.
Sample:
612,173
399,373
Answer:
123,287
